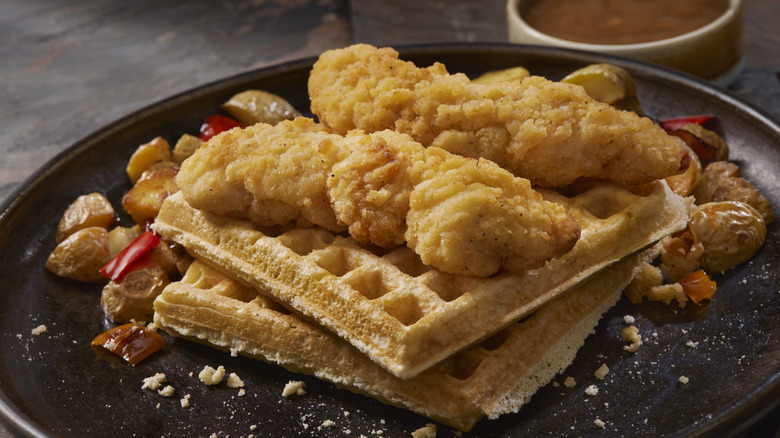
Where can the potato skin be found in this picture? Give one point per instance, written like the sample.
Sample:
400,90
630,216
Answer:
92,210
731,233
81,255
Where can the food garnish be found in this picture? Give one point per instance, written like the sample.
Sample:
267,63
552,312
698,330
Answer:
121,264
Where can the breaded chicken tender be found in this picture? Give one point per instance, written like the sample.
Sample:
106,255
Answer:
549,132
460,215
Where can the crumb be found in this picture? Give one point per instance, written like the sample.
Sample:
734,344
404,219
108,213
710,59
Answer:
629,319
601,372
346,413
683,380
294,387
41,329
241,392
570,382
233,352
556,384
210,376
153,382
591,390
253,427
166,392
185,402
234,381
631,334
427,431
599,423
328,423
692,344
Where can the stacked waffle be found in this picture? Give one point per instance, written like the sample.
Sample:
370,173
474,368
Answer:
377,319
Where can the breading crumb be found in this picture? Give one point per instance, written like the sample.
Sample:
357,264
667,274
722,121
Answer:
328,423
41,329
683,380
427,431
629,319
599,423
234,381
631,334
601,372
294,387
592,390
692,344
166,392
185,402
210,376
570,382
154,382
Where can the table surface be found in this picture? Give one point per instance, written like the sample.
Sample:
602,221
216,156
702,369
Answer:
70,67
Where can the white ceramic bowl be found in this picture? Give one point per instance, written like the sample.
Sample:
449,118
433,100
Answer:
712,52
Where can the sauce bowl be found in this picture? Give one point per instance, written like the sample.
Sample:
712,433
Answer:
712,52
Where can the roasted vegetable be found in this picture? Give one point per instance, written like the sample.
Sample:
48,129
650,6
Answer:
720,181
131,298
607,83
120,237
186,146
132,342
698,286
147,154
510,74
121,264
81,255
712,138
216,124
255,106
681,254
143,201
685,183
731,233
92,210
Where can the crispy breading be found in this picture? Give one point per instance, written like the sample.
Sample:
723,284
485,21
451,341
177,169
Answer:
458,214
549,132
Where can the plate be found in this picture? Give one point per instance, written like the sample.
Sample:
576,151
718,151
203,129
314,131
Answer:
55,384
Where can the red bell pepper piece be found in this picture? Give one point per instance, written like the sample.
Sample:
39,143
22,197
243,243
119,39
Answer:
117,267
676,123
215,124
133,342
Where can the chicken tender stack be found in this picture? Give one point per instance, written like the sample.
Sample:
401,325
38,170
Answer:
461,215
530,128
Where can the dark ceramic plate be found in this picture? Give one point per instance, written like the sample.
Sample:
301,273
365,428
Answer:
55,384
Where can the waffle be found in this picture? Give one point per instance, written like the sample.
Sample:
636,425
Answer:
402,314
492,378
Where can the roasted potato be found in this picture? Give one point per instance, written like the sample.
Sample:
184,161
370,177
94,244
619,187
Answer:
132,297
607,83
186,146
731,233
143,201
120,237
92,210
255,106
720,181
155,151
510,74
712,138
81,255
685,183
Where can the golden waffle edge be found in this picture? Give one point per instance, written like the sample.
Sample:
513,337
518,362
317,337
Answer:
492,378
402,314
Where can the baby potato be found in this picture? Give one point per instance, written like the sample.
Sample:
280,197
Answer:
712,177
731,233
120,237
186,146
81,255
255,106
132,297
143,201
509,74
147,154
92,210
607,83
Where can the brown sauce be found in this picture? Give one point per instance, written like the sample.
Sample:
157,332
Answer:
621,21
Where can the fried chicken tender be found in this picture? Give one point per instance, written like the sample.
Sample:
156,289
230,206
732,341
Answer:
460,215
549,132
